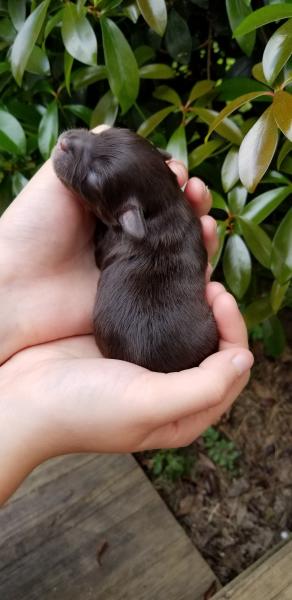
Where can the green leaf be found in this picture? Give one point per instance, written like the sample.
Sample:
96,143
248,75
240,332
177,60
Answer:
202,152
262,206
154,13
237,199
257,150
263,16
68,63
200,89
286,148
234,105
229,171
237,265
177,145
105,111
277,51
178,38
218,201
80,111
53,22
19,181
282,250
226,129
257,311
48,130
273,336
88,75
78,36
221,233
143,54
38,62
278,293
121,64
257,240
25,40
16,10
7,33
156,71
282,109
237,10
275,177
12,136
154,120
163,92
258,73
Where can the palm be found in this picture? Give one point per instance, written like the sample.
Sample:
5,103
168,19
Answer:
46,237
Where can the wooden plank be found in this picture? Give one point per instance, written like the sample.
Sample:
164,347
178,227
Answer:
270,578
77,507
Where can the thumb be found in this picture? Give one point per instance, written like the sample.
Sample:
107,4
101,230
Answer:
177,395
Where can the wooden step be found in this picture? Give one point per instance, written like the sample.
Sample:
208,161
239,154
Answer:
88,527
270,578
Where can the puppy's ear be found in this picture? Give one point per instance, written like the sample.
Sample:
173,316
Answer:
132,220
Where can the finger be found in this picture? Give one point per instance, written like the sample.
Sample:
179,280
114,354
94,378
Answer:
199,196
214,288
230,323
210,238
173,396
179,170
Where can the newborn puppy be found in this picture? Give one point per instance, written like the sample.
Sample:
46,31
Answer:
150,307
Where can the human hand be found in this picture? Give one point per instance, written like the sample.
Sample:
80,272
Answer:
63,397
48,275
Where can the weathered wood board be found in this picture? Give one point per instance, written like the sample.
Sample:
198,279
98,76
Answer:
78,511
270,578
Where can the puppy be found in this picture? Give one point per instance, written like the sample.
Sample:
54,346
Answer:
150,307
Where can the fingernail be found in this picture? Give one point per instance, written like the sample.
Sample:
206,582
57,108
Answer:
243,362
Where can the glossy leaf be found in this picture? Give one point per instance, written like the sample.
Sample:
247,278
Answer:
273,336
25,40
221,234
229,171
258,73
68,63
177,145
237,265
257,311
19,181
278,293
234,105
262,206
78,36
48,130
163,92
16,10
200,89
143,54
88,75
257,240
218,201
277,51
80,111
38,62
257,150
154,120
237,10
105,111
121,64
282,250
53,22
275,177
237,199
154,13
178,38
12,136
263,16
227,129
282,109
156,71
202,152
285,150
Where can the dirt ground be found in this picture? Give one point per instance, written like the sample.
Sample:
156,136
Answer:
234,519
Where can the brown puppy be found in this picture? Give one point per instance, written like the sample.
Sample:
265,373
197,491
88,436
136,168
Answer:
150,307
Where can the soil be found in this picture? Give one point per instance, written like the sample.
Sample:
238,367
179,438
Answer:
233,519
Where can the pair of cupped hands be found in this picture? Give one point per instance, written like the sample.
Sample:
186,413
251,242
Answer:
57,393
